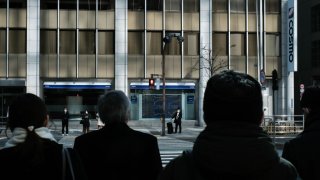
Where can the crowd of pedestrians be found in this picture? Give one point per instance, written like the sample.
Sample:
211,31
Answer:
232,145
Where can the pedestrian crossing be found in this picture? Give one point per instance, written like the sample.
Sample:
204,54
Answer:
167,156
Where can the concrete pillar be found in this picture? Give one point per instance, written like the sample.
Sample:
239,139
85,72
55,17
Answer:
121,44
205,45
33,47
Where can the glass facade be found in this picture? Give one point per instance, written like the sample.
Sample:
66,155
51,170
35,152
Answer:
78,42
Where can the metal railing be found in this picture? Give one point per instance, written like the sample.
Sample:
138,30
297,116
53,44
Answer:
283,124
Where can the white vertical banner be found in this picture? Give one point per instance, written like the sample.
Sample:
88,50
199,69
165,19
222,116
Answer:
292,35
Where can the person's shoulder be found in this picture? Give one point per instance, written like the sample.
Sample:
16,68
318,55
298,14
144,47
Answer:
89,135
285,169
143,135
5,152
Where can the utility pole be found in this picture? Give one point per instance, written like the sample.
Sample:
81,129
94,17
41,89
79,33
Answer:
166,40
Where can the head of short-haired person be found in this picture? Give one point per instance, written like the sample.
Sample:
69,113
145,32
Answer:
233,96
310,104
114,107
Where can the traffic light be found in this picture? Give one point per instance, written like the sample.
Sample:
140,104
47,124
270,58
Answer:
275,80
151,83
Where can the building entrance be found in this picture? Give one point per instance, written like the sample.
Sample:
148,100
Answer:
77,97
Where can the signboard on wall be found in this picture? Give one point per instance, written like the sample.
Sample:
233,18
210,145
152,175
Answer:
292,44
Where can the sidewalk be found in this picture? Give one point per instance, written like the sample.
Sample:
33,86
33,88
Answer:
169,142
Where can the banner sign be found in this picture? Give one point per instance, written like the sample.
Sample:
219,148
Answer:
292,15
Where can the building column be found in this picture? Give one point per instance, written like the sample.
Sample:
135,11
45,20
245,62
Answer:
205,44
121,46
33,47
286,88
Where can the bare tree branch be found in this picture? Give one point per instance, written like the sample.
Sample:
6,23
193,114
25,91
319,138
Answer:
211,64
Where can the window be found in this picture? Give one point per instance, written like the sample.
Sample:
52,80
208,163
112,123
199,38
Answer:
173,5
154,43
87,5
68,4
106,42
67,42
48,42
315,53
17,4
87,42
48,4
237,44
272,45
252,44
191,6
106,4
252,5
154,5
2,41
191,43
237,6
17,41
136,5
220,5
315,18
273,6
219,44
135,42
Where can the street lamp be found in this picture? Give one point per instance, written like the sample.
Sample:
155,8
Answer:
166,40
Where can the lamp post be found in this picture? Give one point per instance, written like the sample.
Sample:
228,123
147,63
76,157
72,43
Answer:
166,40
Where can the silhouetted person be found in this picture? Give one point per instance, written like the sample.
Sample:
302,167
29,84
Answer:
65,122
232,145
177,115
304,150
116,151
85,122
31,151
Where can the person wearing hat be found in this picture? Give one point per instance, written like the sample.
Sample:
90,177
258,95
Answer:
304,150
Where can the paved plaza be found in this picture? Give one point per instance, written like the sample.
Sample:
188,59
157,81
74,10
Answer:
170,145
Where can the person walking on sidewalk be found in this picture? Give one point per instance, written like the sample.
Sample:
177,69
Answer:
32,152
65,122
117,150
304,150
232,145
176,117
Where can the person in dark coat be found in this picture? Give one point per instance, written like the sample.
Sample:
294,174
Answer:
176,117
85,122
304,150
32,152
232,145
116,151
65,121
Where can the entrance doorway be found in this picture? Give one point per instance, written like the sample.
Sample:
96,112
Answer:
7,94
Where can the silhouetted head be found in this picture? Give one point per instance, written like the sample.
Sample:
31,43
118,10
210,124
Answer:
114,106
311,98
232,96
27,110
310,103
